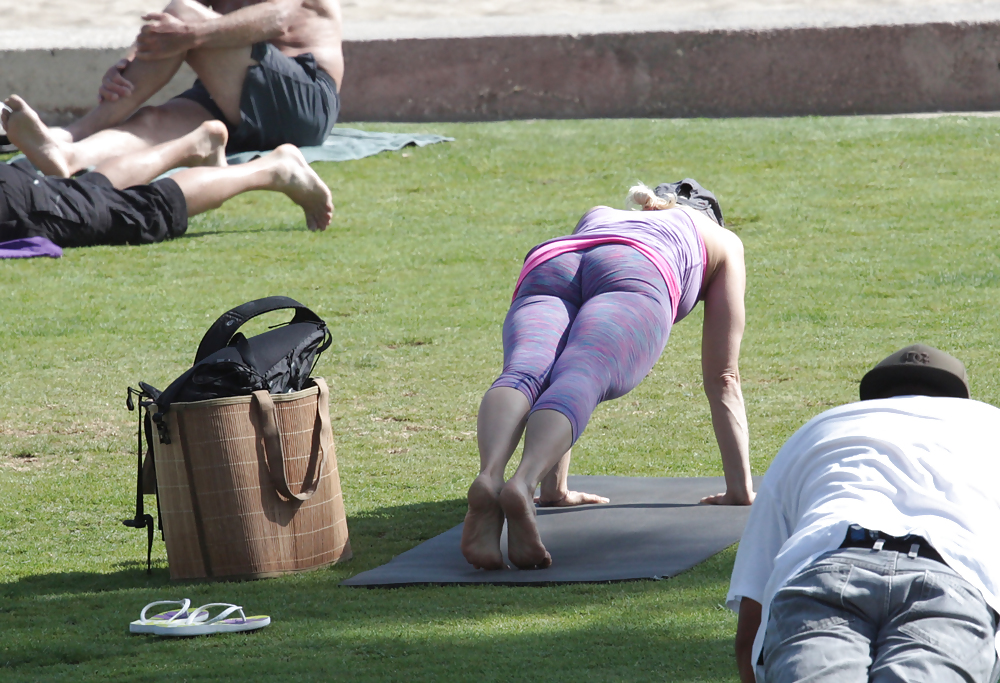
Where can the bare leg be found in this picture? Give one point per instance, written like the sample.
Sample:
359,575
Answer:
548,436
149,126
283,170
502,415
204,146
221,70
147,77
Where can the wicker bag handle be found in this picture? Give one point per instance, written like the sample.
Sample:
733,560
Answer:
268,416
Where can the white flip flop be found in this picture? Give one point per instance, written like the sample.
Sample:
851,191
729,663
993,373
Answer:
198,623
145,624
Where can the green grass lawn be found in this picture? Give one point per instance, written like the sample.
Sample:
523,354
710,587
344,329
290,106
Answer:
861,235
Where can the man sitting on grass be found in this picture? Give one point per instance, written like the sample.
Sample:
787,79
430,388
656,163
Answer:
269,69
113,205
871,552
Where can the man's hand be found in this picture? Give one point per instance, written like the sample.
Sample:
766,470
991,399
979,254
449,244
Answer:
163,36
114,85
570,499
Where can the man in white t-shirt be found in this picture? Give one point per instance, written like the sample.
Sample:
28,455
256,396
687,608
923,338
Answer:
872,552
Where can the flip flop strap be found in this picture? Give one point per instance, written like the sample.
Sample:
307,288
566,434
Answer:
230,608
185,603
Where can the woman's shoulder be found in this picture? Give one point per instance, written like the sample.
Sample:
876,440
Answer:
710,230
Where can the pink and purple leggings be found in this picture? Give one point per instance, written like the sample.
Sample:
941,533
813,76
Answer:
586,327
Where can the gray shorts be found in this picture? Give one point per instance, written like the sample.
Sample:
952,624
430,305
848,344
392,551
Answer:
284,100
859,615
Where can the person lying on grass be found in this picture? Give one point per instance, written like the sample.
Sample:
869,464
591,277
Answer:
871,551
590,316
113,204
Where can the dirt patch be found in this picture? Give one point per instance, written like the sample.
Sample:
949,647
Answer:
21,462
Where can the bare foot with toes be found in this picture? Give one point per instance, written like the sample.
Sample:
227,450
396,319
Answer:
304,187
570,499
43,146
524,545
483,526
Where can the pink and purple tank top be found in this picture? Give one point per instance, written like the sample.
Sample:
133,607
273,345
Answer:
667,238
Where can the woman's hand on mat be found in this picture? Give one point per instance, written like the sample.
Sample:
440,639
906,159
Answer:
729,498
164,35
114,85
570,499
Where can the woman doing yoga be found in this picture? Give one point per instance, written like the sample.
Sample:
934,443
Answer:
590,316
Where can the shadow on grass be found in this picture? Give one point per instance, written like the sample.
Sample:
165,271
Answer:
241,231
376,537
74,625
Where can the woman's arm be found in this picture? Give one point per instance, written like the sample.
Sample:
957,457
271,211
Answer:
725,317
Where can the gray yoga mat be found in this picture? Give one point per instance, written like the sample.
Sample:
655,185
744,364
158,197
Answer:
653,528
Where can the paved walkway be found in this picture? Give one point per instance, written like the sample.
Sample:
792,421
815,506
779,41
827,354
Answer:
45,24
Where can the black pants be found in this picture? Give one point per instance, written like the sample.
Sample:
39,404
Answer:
87,211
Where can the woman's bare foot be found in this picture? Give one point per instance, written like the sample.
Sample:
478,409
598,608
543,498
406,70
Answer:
304,187
570,499
43,146
524,545
483,526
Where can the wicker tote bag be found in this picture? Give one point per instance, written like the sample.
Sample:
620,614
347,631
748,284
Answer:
248,486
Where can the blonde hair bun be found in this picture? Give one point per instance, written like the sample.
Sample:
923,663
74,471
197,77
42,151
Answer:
641,197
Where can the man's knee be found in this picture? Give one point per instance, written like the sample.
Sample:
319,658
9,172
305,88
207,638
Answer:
189,11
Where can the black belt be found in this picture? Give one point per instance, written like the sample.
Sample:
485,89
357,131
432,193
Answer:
911,544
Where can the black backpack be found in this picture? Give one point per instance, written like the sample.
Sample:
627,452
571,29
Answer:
229,364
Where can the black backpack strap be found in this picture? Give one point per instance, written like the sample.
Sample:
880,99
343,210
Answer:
163,399
223,329
142,519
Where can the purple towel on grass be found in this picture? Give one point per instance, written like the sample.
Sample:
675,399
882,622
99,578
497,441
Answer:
30,247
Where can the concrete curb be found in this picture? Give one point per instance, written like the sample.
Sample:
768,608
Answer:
883,69
809,71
